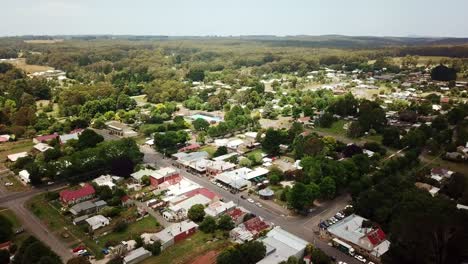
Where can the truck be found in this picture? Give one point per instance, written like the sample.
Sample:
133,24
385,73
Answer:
343,247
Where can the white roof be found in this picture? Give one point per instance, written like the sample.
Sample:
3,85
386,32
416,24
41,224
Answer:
187,204
281,245
183,186
235,143
461,206
144,172
67,137
97,220
24,175
136,254
16,156
106,180
219,207
251,134
42,147
257,172
221,142
226,156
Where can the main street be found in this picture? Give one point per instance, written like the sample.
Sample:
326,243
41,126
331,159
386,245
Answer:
303,227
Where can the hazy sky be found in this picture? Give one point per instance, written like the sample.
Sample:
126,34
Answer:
236,17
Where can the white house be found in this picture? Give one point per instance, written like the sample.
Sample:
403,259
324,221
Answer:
24,176
16,156
97,221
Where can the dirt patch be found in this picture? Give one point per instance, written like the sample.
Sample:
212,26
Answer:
208,258
21,64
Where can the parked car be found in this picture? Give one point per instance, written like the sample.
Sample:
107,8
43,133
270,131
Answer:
78,248
250,200
8,184
259,204
360,258
242,197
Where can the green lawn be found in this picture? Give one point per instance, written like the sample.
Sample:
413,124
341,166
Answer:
15,147
62,227
185,251
336,128
17,185
145,225
210,149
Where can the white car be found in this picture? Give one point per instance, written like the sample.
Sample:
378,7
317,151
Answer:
259,205
360,258
342,262
8,184
250,200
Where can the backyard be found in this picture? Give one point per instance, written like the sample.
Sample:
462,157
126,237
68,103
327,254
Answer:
187,250
73,235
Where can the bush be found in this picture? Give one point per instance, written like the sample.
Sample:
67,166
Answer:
120,226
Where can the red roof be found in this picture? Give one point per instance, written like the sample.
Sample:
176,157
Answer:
46,137
5,245
256,225
235,213
376,236
304,119
71,195
125,198
189,148
76,130
3,139
203,191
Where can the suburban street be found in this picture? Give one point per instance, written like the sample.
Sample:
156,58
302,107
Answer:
303,227
16,203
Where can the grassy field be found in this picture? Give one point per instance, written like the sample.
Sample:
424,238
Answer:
43,41
15,147
21,64
210,149
10,215
187,250
146,225
336,128
72,235
41,104
17,185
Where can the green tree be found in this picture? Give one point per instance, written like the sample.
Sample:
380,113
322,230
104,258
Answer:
6,229
154,248
225,223
89,139
220,151
208,225
328,188
196,213
200,124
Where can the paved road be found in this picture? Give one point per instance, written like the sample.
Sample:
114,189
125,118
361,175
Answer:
16,201
300,226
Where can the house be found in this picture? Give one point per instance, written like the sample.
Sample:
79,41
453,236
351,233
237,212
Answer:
120,129
439,174
249,230
162,175
74,134
185,159
234,144
214,168
191,147
16,156
107,180
80,219
87,207
70,197
280,245
42,147
97,222
45,138
181,208
368,241
234,179
175,233
237,215
136,256
24,176
217,208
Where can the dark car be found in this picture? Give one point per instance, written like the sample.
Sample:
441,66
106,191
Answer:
242,196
